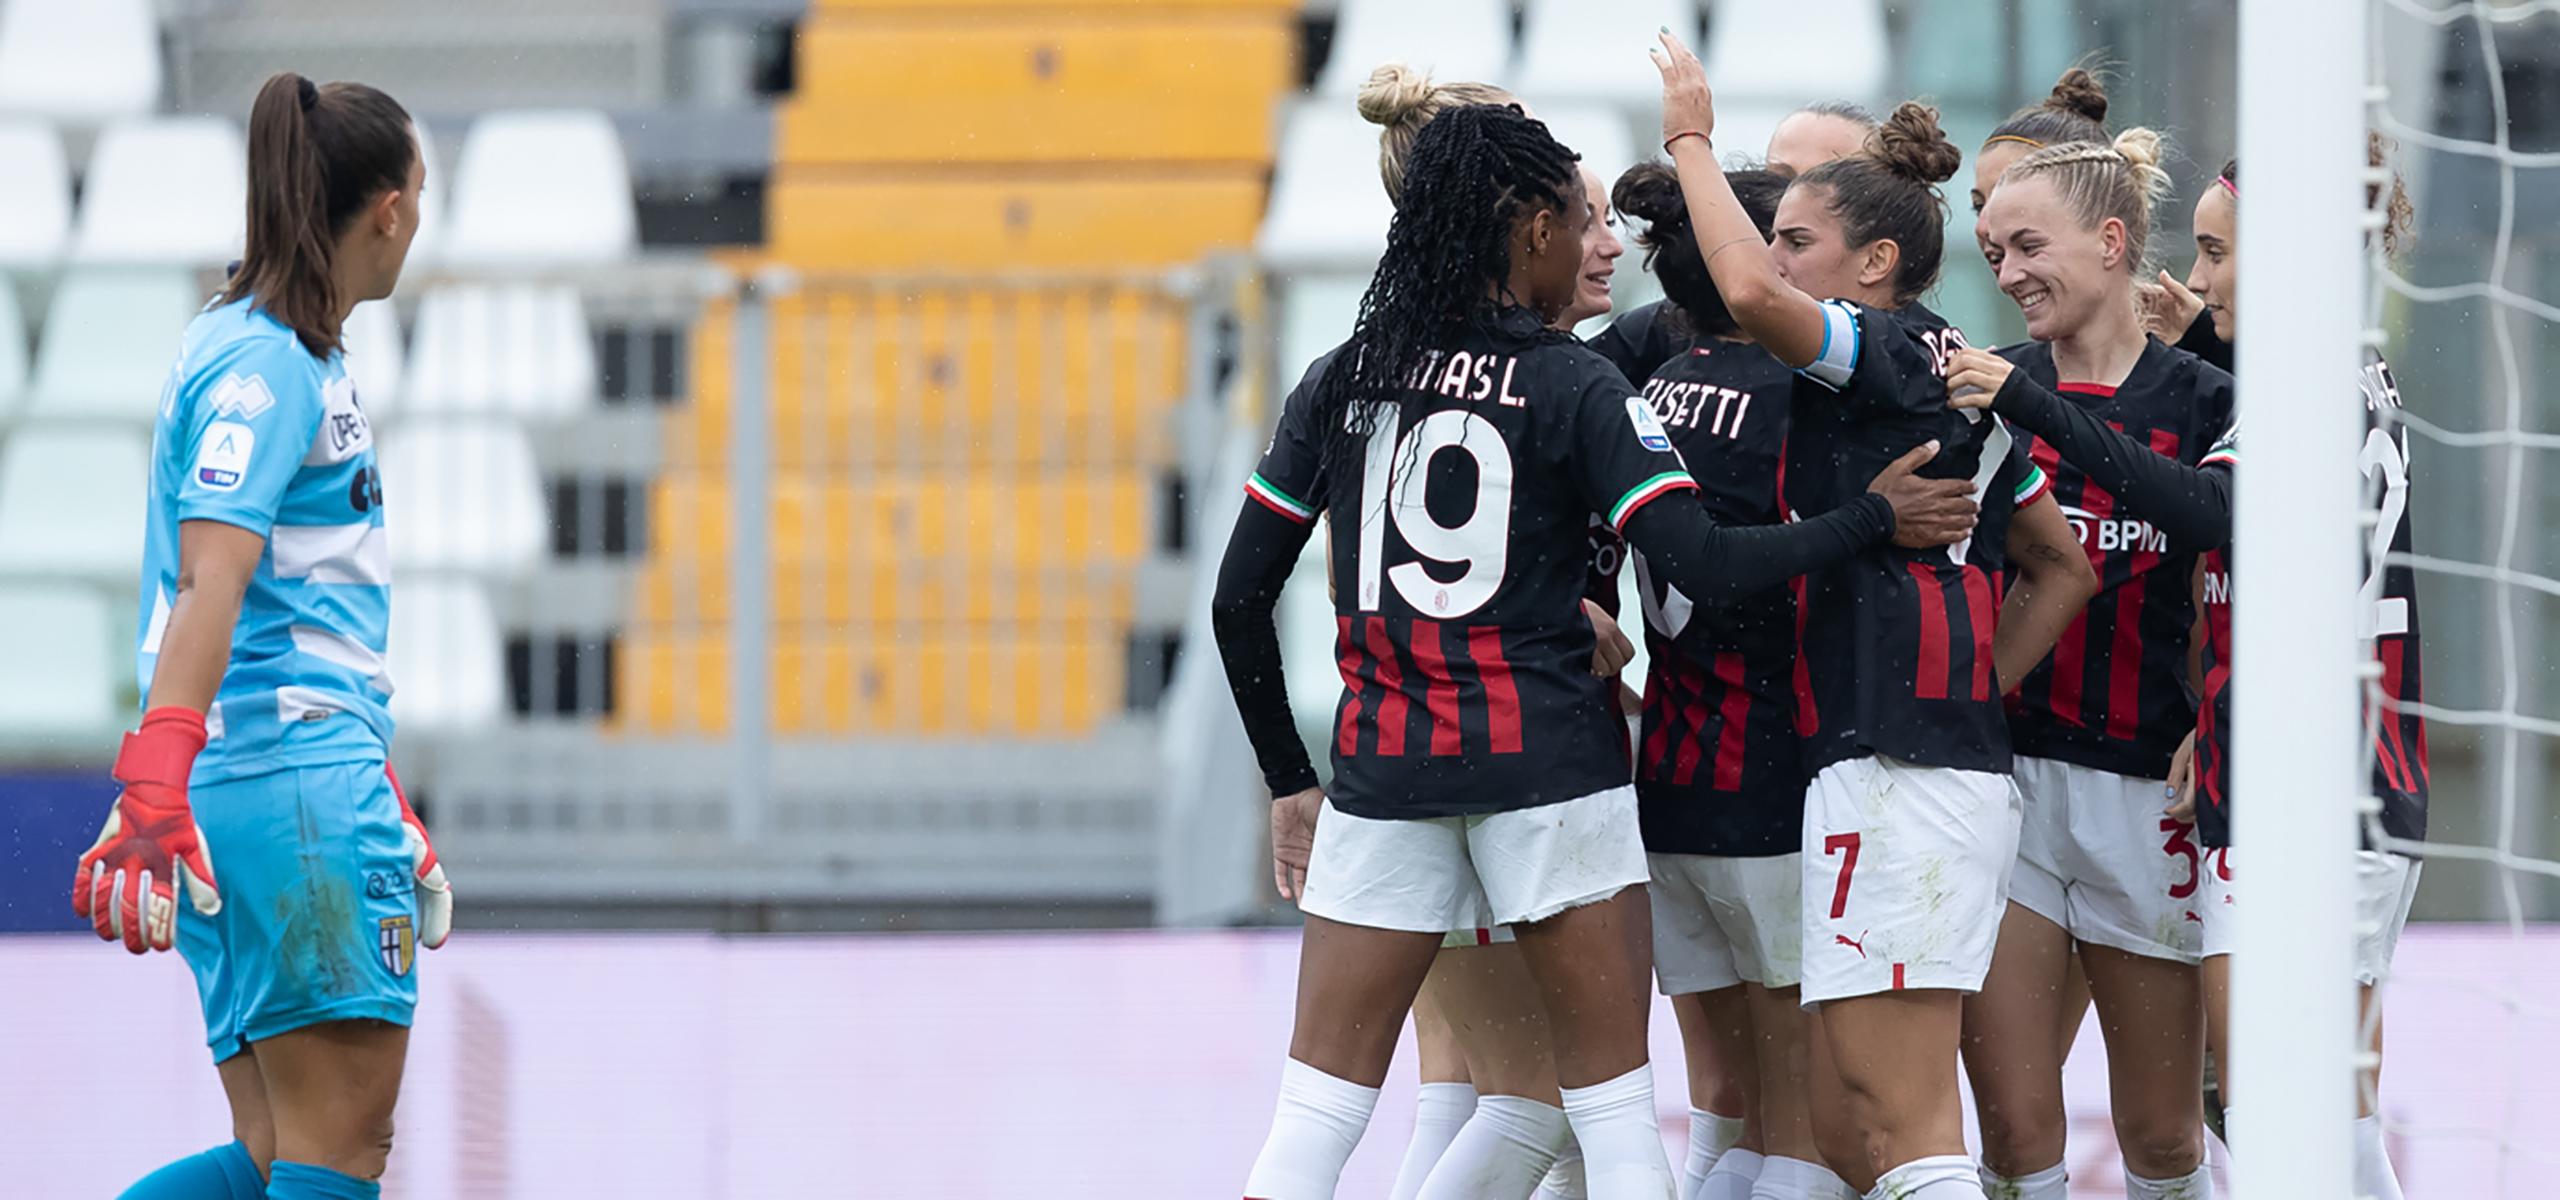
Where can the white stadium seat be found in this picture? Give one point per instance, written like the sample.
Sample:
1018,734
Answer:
1596,132
1316,314
463,496
1328,209
81,61
72,502
13,348
428,245
1595,49
521,348
540,186
371,342
1759,50
35,194
1451,39
134,210
109,343
58,670
448,666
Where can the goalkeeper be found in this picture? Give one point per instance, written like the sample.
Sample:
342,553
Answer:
265,742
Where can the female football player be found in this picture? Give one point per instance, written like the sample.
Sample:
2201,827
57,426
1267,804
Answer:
1478,775
1719,777
2193,505
265,741
1911,820
2096,725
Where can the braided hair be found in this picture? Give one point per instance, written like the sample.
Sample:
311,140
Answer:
1475,171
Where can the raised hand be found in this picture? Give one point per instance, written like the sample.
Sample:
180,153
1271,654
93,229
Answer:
1688,105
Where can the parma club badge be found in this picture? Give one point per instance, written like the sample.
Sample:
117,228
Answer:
399,945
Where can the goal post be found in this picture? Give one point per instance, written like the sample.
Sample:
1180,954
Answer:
2297,762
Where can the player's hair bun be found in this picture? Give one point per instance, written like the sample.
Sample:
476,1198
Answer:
1911,145
2142,150
1651,191
2078,93
1395,94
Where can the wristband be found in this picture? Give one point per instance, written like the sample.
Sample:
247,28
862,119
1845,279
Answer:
1689,133
164,750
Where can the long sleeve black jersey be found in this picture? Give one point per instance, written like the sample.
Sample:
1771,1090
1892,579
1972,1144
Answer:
2113,694
1718,766
1461,555
1897,643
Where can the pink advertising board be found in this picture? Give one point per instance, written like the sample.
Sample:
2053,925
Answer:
1059,1065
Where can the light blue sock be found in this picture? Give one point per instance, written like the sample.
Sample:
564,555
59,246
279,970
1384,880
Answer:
222,1173
302,1181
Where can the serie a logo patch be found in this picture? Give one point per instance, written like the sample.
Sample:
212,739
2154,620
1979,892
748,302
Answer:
399,945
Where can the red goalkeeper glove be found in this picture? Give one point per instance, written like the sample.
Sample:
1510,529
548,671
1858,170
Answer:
150,840
435,897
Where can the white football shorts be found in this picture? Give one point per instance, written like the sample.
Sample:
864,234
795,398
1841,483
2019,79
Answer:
1906,875
1718,922
2386,885
1436,874
2098,857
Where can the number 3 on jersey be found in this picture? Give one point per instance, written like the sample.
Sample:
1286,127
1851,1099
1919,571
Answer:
1394,482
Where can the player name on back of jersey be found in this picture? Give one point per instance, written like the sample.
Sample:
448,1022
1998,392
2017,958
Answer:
1686,404
1463,376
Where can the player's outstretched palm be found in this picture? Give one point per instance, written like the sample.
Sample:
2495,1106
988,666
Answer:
127,886
1688,106
1926,512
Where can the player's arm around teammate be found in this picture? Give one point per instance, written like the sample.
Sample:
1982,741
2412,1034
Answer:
264,743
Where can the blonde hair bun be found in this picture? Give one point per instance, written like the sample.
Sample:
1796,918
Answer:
1395,94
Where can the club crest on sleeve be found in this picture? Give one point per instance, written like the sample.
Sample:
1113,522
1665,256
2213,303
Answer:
244,396
399,944
222,460
1648,427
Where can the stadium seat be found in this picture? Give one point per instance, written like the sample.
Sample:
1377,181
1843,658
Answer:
1328,208
1595,50
836,590
1055,519
1597,132
518,348
109,342
1131,214
1316,315
35,194
463,496
72,502
448,664
58,649
968,86
13,348
428,245
870,681
130,213
540,186
80,61
1451,39
1758,51
371,341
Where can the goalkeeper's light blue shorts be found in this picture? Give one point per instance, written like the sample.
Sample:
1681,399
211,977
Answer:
319,917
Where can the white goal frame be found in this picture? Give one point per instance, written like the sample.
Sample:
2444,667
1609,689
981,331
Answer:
2298,767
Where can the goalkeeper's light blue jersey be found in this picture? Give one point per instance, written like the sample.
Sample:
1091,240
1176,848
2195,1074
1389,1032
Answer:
255,431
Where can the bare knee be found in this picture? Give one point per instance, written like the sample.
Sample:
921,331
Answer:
2018,1138
2154,1148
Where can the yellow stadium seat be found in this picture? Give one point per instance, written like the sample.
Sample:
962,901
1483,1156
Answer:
684,593
1030,683
1054,520
847,218
966,86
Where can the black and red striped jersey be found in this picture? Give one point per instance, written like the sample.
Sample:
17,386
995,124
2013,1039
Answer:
1896,643
2387,615
2113,695
1718,767
1464,652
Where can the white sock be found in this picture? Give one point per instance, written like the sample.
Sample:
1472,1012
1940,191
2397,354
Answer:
1564,1179
1320,1120
1939,1177
2194,1185
1733,1178
1621,1142
1709,1137
2047,1184
1438,1113
1795,1179
2374,1176
1503,1152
